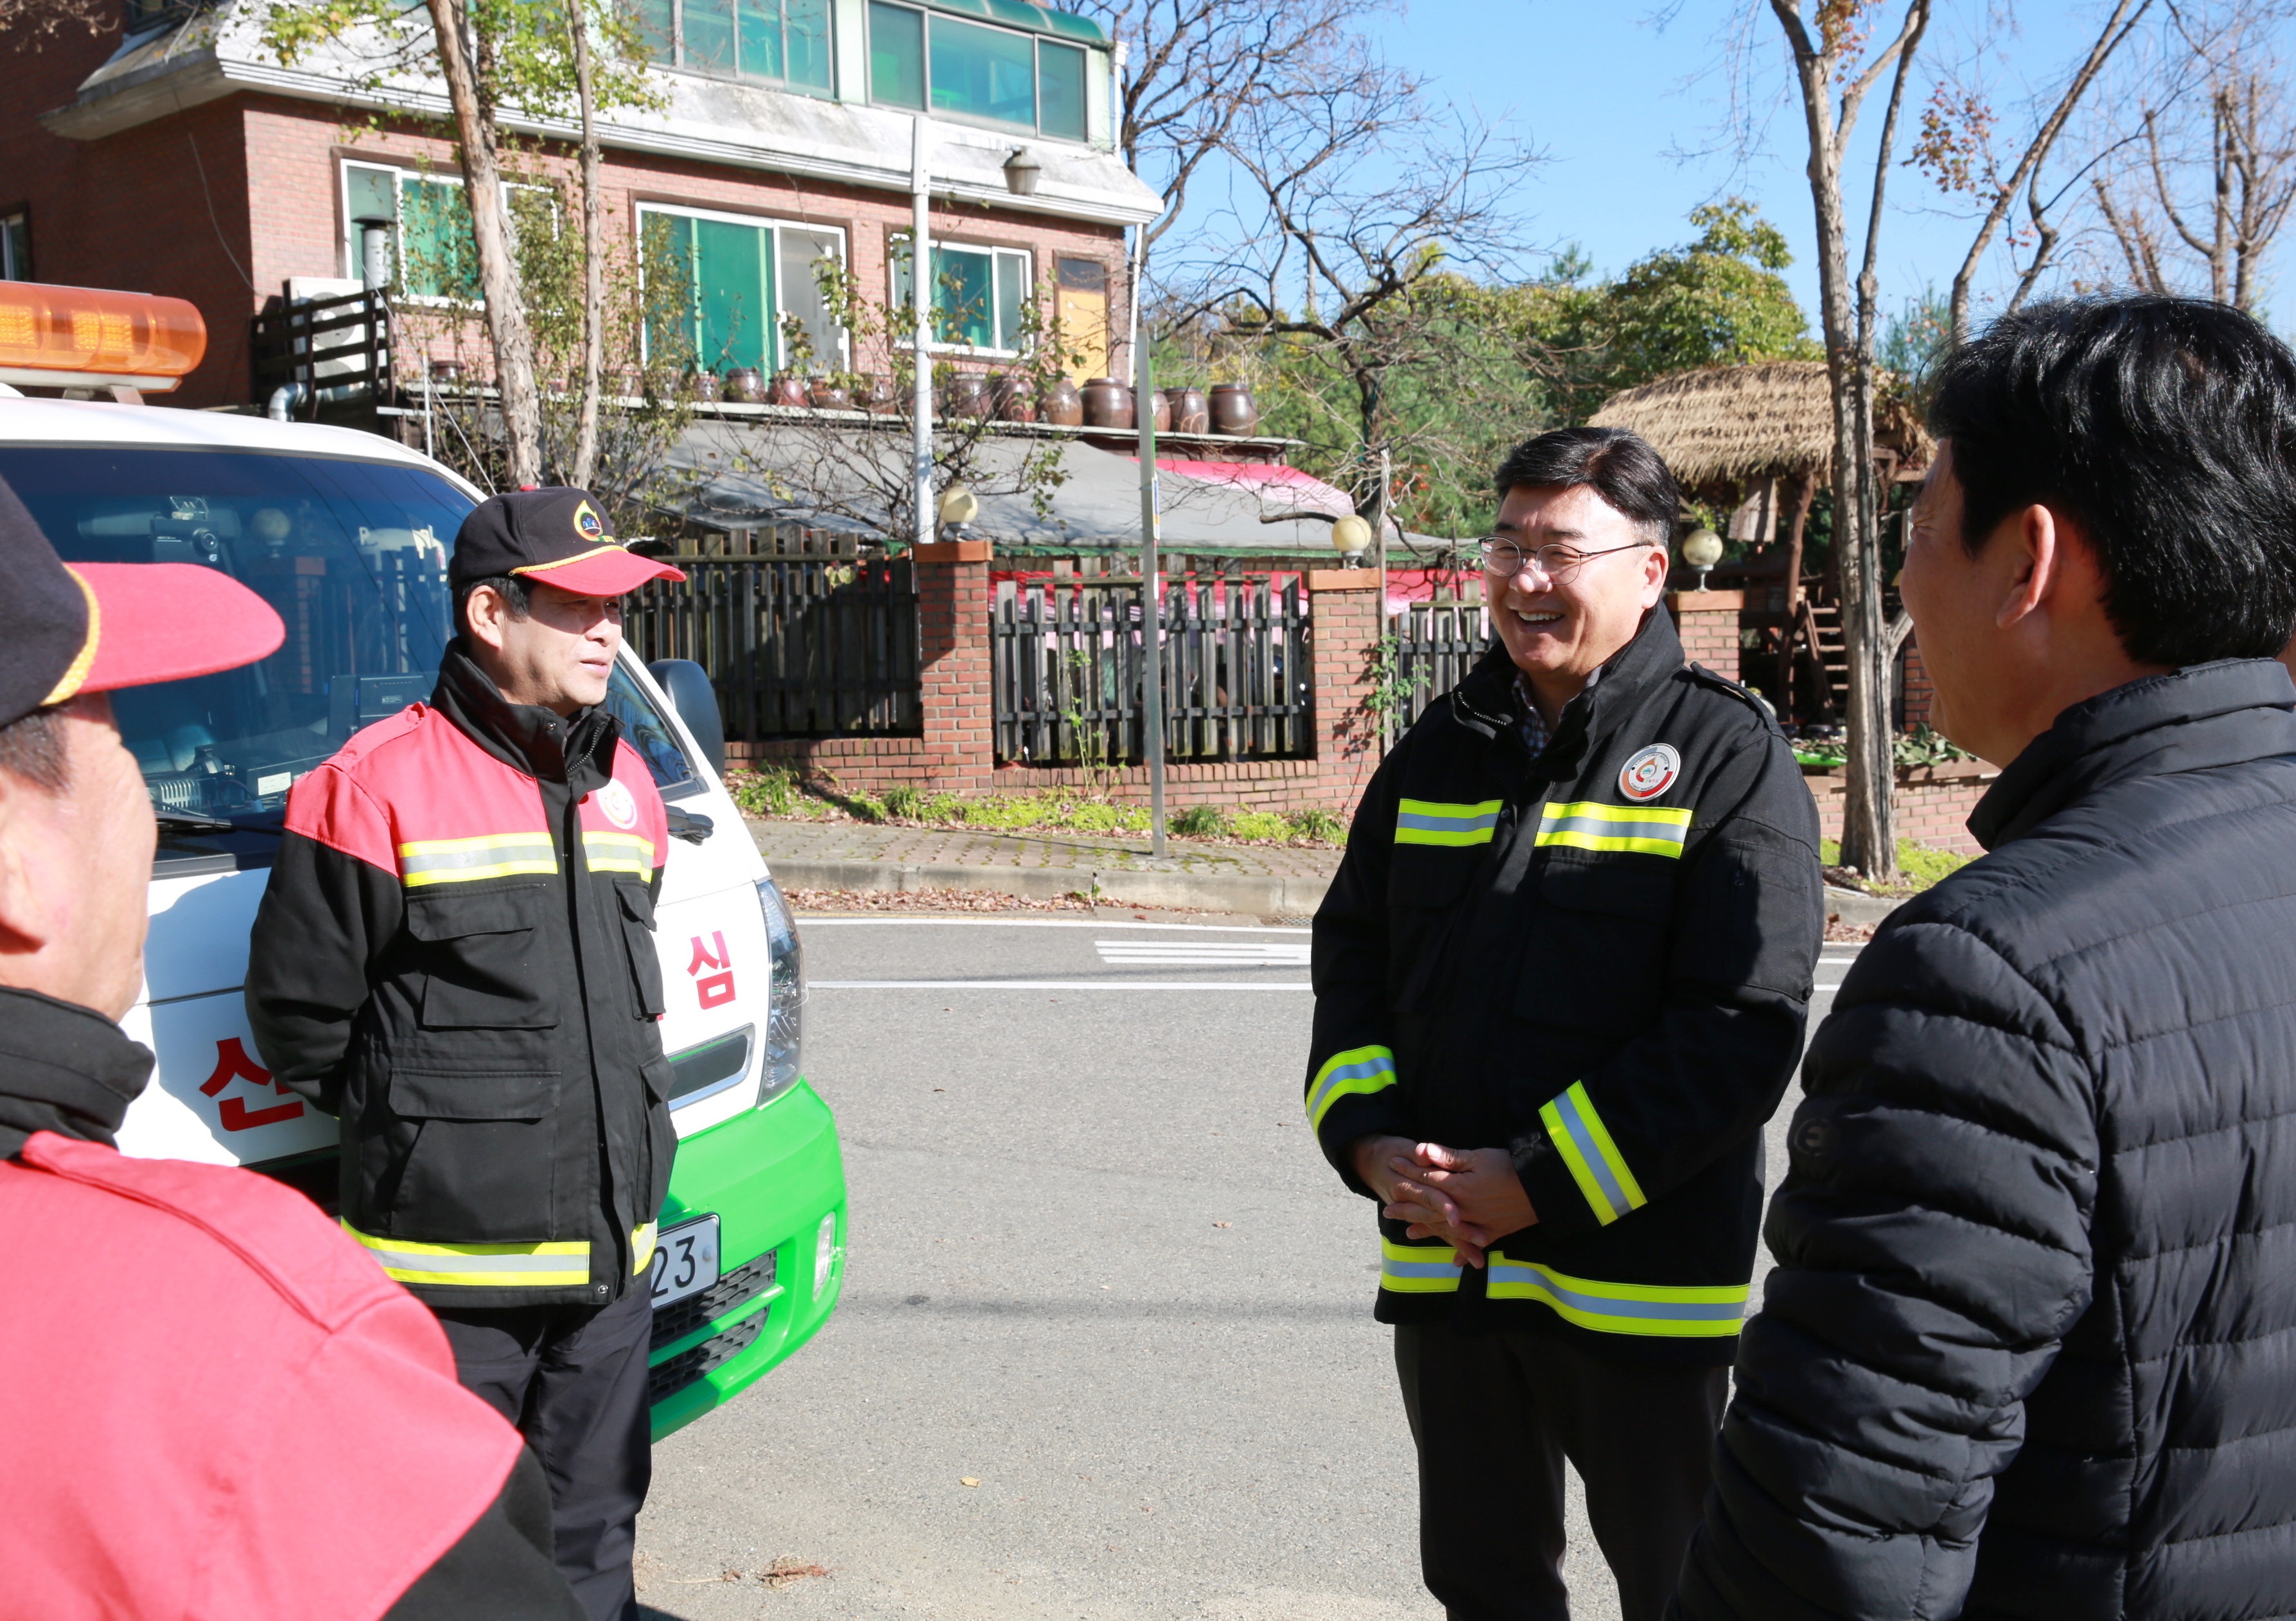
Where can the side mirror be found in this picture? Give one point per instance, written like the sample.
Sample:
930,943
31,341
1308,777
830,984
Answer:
687,686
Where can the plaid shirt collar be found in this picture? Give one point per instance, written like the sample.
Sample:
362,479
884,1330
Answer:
1535,735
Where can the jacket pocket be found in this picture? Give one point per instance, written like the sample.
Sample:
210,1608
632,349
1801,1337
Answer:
480,1155
662,1137
645,962
482,967
1596,956
1424,875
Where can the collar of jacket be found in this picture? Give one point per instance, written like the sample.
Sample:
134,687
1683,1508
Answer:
64,1068
575,750
2204,715
1486,702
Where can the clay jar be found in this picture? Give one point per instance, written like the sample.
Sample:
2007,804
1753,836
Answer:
1192,412
827,394
876,394
965,395
1063,405
745,385
703,385
1233,411
1107,404
787,389
1160,411
1015,400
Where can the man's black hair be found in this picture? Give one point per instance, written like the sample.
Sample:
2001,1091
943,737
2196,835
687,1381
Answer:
1616,464
515,593
2166,429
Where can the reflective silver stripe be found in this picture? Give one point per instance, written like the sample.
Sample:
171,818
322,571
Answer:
1445,824
1617,827
490,1265
445,860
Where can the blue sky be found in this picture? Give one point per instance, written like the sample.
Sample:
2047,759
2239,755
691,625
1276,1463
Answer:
1615,92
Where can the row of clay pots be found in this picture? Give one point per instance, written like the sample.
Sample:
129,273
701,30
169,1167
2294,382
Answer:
1229,408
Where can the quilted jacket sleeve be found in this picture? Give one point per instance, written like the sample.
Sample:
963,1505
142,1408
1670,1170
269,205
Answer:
1932,1247
1351,1091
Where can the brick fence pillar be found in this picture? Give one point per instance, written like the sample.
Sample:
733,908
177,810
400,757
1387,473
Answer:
1708,621
1346,612
959,705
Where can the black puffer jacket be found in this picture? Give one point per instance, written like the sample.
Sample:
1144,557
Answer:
2030,1346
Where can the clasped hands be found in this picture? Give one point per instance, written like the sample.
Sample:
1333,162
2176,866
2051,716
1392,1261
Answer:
1469,1197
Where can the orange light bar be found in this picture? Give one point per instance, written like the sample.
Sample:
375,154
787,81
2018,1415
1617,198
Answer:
80,335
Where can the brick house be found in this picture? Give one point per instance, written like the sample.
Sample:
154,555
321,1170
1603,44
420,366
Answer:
176,155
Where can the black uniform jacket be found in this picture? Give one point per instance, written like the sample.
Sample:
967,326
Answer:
2030,1348
456,956
1601,960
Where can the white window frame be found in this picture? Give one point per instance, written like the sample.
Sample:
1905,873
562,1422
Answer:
844,362
10,270
1095,64
400,173
1000,264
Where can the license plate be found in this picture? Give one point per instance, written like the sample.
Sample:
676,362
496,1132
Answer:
685,1260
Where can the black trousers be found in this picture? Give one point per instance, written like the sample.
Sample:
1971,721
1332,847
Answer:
1494,1416
573,1380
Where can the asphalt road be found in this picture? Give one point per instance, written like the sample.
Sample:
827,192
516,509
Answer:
1097,1268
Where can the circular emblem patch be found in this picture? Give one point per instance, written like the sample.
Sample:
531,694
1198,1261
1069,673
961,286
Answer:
1648,774
620,808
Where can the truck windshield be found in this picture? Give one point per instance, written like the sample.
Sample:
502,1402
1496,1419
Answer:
353,554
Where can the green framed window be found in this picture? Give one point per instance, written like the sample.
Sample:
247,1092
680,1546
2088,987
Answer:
1014,77
980,295
751,296
785,43
434,254
16,246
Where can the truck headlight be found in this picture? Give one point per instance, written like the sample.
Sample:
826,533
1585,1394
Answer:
785,1003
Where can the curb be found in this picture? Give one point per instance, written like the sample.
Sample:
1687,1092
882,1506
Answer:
1851,908
1175,891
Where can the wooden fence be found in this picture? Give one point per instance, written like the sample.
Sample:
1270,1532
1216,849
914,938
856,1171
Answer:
804,646
337,349
1437,643
1068,676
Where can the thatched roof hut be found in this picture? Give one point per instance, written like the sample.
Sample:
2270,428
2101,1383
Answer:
1742,424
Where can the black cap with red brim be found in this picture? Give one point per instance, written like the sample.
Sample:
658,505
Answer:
549,537
97,627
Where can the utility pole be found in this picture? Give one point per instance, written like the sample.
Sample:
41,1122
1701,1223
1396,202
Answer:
921,285
1152,618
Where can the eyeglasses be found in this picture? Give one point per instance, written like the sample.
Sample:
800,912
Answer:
1556,562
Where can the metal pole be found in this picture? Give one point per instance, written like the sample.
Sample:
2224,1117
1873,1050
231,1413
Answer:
1151,619
1386,628
921,287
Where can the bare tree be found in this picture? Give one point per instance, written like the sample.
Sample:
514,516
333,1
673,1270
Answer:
594,252
1355,269
1955,148
2217,174
1835,75
33,23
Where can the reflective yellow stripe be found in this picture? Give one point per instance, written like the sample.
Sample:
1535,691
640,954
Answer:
1358,1072
1640,829
642,1248
545,1266
1432,822
1694,1312
1416,1269
1596,1166
618,853
464,860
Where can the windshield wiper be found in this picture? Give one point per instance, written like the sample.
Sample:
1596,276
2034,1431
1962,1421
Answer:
168,816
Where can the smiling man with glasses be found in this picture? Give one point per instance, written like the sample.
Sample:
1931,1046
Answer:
1560,980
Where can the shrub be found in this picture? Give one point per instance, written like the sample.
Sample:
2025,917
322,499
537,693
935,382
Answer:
1005,811
1100,816
1320,826
866,806
771,790
1261,826
1201,822
906,801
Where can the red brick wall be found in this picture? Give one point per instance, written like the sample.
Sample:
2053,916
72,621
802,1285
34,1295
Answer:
159,209
1930,813
1708,623
1918,690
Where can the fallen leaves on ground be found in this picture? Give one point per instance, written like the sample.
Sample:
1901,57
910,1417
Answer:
1848,933
968,1480
790,1572
928,900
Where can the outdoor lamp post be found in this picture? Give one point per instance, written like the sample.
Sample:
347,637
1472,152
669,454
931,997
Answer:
1701,550
1350,537
920,501
1022,171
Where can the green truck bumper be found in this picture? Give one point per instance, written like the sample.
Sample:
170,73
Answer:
772,1176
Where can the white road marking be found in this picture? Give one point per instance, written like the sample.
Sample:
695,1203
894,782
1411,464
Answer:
1057,985
815,921
1205,954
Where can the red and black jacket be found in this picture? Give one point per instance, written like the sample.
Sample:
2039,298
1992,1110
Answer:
455,957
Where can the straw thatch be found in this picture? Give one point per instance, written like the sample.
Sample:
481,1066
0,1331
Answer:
1737,424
